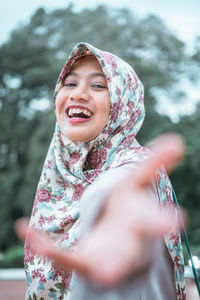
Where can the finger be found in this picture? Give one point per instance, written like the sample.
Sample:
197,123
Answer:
152,221
68,260
42,245
21,227
171,144
168,151
157,223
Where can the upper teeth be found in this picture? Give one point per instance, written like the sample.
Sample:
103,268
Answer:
72,111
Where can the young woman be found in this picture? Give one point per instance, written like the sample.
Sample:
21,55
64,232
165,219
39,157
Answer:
95,161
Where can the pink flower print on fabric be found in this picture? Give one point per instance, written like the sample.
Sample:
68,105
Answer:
130,105
65,275
65,236
109,59
28,252
109,145
74,158
132,120
90,175
127,142
78,191
43,220
180,293
116,108
48,164
66,280
97,158
66,221
43,195
118,91
38,274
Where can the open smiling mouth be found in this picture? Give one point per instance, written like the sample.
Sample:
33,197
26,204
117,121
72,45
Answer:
79,113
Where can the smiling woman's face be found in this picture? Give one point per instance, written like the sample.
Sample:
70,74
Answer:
83,103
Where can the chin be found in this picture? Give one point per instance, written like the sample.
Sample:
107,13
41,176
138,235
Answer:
76,137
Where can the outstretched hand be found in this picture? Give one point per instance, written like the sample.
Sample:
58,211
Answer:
111,249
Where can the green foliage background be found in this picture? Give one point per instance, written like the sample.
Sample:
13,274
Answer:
30,62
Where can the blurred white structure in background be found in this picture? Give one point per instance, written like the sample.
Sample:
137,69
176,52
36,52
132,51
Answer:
196,261
12,274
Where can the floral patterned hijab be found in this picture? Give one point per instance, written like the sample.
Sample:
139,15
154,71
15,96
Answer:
71,167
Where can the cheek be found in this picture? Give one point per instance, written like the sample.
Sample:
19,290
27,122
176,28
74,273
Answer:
59,103
57,107
104,111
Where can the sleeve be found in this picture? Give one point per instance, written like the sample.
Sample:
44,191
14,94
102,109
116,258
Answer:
95,196
145,285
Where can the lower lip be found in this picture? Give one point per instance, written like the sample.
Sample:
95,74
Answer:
77,120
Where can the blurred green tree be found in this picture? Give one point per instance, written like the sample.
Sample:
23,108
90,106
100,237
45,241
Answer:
186,177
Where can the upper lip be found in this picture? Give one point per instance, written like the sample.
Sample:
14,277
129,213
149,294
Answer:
78,106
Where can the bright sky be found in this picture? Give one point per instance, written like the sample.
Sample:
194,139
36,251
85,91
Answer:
181,16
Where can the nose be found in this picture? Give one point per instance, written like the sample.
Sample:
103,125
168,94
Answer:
80,94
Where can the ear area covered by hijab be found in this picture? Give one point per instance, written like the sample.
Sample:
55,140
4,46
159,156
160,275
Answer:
70,168
127,107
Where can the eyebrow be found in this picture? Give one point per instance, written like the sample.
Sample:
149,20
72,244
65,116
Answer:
95,74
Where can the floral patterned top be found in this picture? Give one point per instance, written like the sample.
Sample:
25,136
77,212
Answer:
71,167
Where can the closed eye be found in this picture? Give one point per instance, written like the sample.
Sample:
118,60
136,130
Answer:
70,84
99,86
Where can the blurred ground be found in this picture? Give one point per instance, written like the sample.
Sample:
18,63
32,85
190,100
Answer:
191,290
15,290
12,284
12,289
